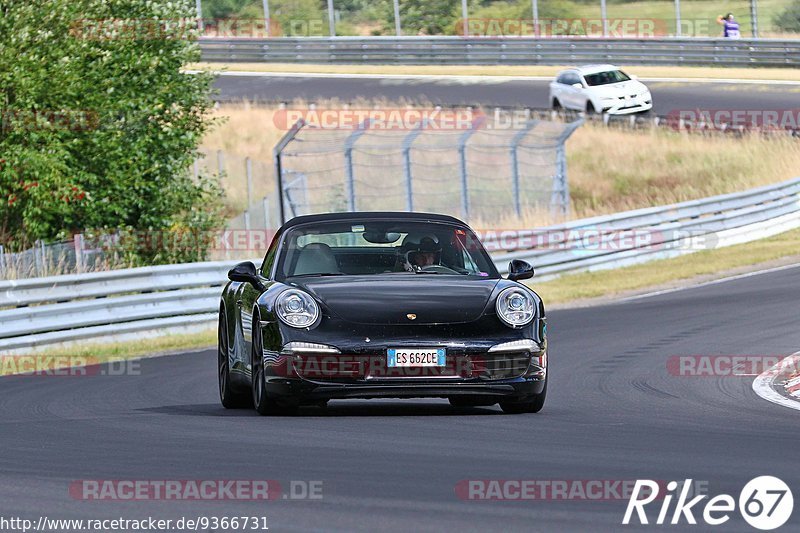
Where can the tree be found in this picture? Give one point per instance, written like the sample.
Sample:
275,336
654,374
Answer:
789,19
99,125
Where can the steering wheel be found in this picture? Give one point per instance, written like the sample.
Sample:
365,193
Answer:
438,268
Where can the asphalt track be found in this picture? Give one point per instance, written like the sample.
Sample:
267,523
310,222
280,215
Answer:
614,413
667,95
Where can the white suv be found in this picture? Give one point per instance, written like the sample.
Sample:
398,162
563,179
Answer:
599,89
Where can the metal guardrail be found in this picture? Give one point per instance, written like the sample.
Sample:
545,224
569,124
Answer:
414,50
43,311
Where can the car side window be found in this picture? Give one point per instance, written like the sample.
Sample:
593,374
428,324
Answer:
269,258
572,78
562,78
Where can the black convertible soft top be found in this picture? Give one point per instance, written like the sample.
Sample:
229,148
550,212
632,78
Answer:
372,215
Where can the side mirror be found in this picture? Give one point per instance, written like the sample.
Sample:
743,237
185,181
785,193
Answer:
518,270
578,85
246,273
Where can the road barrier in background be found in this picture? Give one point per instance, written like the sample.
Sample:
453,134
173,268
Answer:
505,51
43,311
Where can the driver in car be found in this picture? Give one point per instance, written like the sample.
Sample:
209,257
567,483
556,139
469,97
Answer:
427,253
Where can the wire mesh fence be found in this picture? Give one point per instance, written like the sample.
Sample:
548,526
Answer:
492,168
74,256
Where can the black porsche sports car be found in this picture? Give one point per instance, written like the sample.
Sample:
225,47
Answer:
380,305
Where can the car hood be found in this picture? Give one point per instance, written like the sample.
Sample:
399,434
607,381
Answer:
390,299
623,88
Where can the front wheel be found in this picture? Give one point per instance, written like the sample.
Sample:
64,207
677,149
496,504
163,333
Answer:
265,405
230,398
532,405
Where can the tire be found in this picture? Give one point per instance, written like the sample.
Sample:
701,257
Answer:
264,405
590,110
532,405
230,398
469,401
556,105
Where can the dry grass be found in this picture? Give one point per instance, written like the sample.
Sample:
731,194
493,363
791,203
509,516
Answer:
614,170
610,170
788,74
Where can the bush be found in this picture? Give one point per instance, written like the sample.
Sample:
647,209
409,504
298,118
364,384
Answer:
99,126
789,19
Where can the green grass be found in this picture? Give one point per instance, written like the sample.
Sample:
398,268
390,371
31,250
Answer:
96,352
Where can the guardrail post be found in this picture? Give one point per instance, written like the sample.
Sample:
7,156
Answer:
2,261
277,154
515,164
78,240
349,143
37,259
220,162
462,157
408,140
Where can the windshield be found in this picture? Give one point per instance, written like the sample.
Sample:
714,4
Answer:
605,78
382,247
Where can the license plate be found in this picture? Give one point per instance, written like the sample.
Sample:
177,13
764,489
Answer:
414,357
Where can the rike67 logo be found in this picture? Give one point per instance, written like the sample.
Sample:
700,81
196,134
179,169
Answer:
765,503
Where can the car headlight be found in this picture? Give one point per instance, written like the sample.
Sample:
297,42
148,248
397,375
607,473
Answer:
296,308
515,307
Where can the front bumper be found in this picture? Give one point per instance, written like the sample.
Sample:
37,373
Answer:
468,371
628,107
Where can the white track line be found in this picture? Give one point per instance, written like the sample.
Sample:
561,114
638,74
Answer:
472,79
712,282
762,385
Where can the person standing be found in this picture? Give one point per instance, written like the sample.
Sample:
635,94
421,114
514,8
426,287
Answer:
730,26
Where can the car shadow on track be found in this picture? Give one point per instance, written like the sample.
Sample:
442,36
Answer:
335,409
